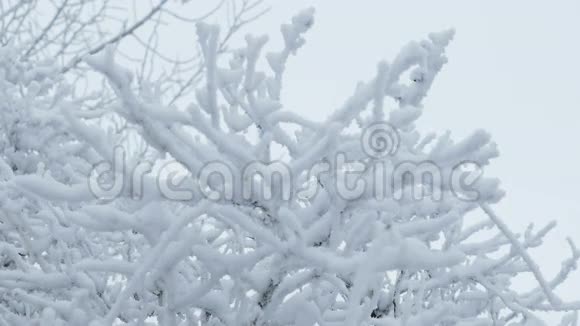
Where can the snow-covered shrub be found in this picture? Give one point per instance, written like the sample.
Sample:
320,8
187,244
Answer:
311,258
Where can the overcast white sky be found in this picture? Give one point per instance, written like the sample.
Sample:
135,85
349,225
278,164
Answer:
514,70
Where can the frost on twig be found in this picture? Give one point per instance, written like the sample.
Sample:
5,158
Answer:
310,258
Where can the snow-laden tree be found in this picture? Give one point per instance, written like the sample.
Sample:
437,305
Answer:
323,243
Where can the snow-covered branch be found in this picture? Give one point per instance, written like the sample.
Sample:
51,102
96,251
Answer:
409,253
